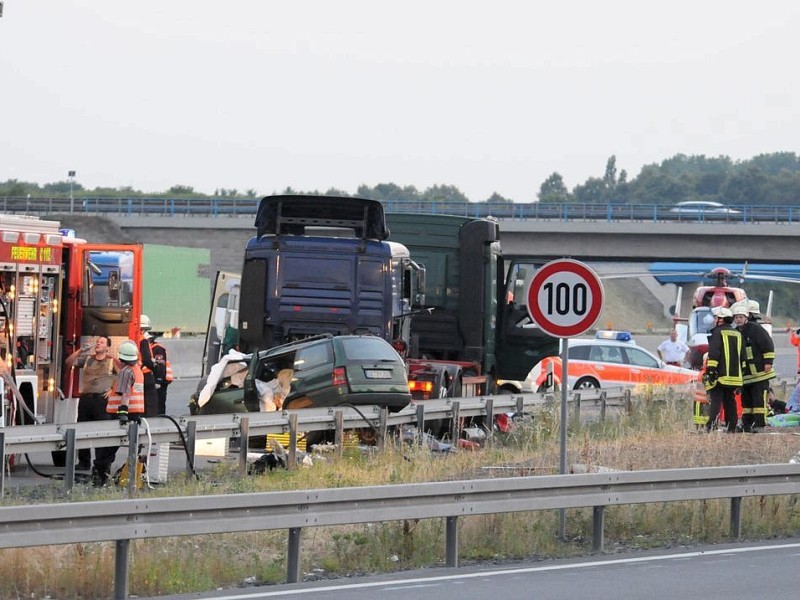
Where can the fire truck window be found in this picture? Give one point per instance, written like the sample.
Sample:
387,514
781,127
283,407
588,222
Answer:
109,278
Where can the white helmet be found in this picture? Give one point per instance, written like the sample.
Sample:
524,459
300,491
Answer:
128,351
144,323
753,307
740,308
721,312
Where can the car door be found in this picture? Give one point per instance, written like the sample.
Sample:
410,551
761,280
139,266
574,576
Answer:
609,363
643,367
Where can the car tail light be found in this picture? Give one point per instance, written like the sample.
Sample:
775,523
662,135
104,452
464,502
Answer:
420,386
339,376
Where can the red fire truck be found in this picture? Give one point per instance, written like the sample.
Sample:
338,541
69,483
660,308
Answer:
57,293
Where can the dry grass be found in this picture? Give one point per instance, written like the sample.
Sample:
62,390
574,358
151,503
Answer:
655,435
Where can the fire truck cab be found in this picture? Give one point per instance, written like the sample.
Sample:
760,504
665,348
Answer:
57,293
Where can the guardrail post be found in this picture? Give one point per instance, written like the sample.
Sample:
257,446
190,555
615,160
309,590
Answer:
383,425
191,443
520,412
293,556
626,396
455,424
451,541
736,518
489,421
338,432
421,424
121,556
69,471
603,402
244,436
133,458
598,526
3,464
576,411
292,460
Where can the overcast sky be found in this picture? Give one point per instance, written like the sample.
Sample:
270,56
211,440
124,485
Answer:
486,96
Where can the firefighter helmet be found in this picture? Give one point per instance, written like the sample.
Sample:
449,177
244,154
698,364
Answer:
721,312
144,323
740,308
753,307
128,351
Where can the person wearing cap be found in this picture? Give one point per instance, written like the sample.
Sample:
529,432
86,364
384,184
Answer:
759,357
724,367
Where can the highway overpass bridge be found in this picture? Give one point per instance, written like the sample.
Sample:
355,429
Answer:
585,240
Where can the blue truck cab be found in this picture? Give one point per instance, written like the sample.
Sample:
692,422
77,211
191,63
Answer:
321,264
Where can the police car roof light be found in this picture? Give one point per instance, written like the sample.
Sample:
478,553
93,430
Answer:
610,334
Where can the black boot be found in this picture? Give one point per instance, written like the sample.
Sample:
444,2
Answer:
100,476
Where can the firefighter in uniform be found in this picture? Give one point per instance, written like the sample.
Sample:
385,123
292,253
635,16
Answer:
759,355
724,368
126,400
148,368
162,372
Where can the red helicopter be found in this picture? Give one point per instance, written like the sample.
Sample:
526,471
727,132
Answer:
694,329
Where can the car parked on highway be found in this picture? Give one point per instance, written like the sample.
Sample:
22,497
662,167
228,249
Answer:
323,370
610,360
703,209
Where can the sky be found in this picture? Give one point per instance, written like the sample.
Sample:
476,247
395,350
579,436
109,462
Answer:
484,96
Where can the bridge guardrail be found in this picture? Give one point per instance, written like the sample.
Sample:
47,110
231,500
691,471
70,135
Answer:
247,207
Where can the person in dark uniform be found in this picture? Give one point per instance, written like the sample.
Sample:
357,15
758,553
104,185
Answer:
724,367
148,368
759,355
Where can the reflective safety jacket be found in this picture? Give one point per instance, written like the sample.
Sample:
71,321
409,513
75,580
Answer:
794,339
759,351
726,355
132,397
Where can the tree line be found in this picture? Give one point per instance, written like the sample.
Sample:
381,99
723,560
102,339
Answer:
766,179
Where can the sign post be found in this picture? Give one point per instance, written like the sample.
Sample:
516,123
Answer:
565,298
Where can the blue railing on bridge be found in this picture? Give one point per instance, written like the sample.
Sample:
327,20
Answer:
246,207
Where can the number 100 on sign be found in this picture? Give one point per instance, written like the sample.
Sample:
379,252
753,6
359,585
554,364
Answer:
565,298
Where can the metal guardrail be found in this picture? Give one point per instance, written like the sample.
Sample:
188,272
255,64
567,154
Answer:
125,520
247,207
45,438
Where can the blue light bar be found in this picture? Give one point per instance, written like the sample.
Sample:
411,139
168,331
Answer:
610,334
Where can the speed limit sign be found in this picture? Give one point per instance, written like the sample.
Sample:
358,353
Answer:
565,298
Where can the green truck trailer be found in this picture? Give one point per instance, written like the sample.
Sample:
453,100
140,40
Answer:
176,288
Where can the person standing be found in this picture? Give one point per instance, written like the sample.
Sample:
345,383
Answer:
98,369
126,400
793,403
759,357
724,367
162,371
672,351
148,368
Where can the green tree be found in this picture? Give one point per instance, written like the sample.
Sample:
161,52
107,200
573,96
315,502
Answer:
591,192
554,190
444,193
181,190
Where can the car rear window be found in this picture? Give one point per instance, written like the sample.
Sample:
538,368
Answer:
368,349
313,356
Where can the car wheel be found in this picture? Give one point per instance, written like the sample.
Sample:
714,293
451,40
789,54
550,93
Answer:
587,383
